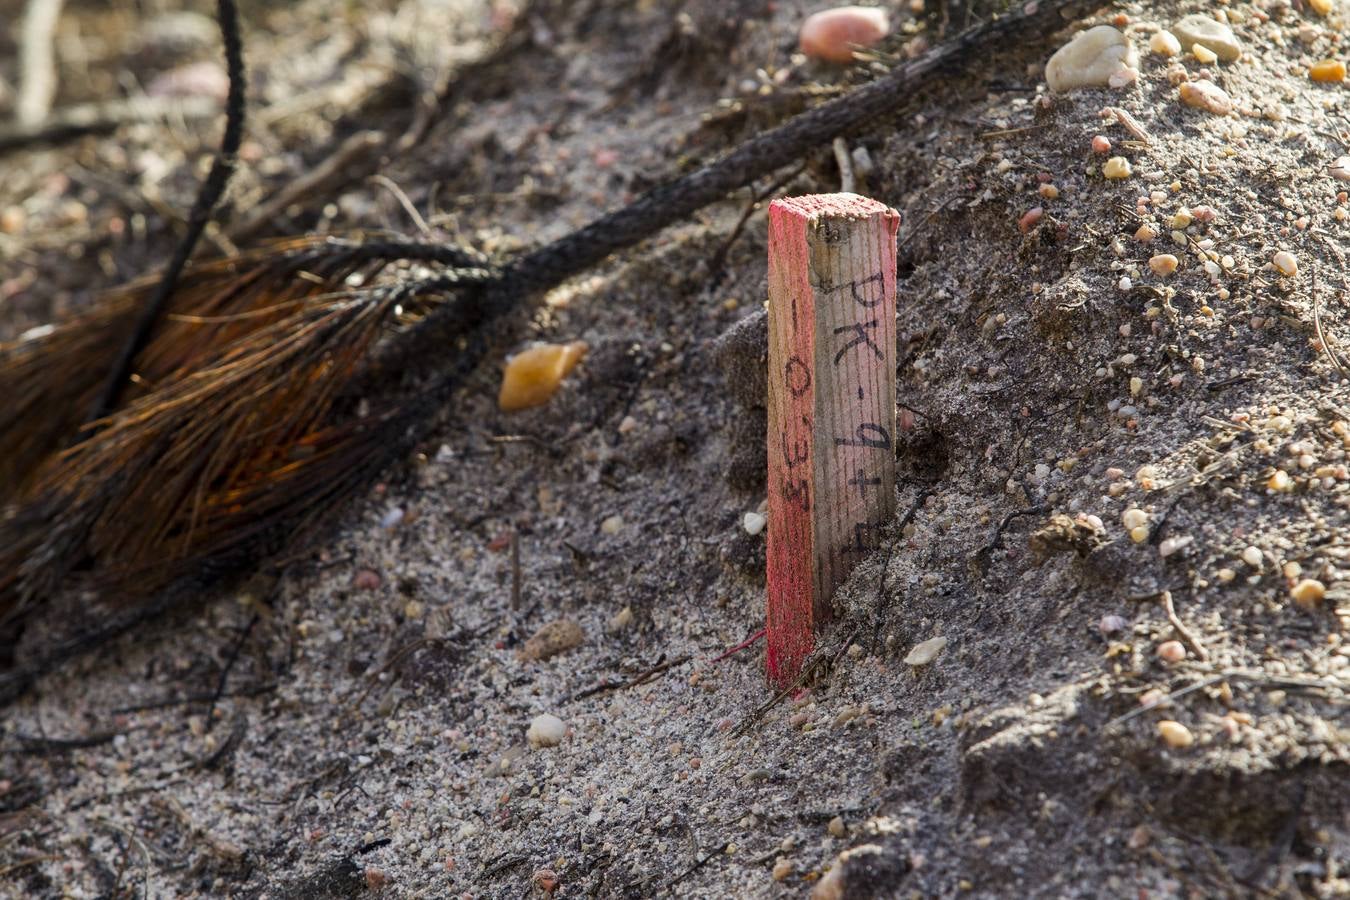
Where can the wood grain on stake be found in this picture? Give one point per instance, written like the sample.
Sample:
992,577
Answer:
831,406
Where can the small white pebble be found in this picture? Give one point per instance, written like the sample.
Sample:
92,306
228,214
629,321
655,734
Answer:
1173,544
1253,557
753,523
545,731
1164,43
1285,263
612,525
925,652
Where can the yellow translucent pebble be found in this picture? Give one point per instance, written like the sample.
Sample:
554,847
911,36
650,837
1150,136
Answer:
1328,70
1204,54
532,376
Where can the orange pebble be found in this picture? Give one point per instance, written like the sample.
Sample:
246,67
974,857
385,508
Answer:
1328,70
832,34
532,376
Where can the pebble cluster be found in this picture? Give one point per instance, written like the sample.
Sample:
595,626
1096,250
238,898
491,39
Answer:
1206,273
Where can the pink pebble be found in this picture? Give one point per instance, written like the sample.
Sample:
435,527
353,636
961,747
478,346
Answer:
1171,651
832,34
1100,144
1204,213
366,580
1112,624
1030,219
200,79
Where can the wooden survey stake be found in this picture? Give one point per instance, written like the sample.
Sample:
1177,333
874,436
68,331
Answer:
831,406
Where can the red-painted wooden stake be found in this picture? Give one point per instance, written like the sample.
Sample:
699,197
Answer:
831,406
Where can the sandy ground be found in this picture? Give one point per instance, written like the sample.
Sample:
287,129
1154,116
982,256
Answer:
370,737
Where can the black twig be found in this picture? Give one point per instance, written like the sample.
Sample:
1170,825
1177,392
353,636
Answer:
696,865
225,669
33,743
641,678
222,167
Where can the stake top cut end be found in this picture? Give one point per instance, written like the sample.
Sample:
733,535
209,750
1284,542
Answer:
813,207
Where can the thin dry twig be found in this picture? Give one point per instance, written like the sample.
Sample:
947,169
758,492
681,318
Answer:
1329,688
516,577
353,158
403,653
847,181
132,838
1321,336
225,670
37,62
389,185
30,861
1009,132
39,744
1129,123
737,648
221,847
103,117
813,668
641,678
1186,634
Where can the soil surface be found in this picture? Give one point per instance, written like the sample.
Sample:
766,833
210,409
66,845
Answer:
1095,460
